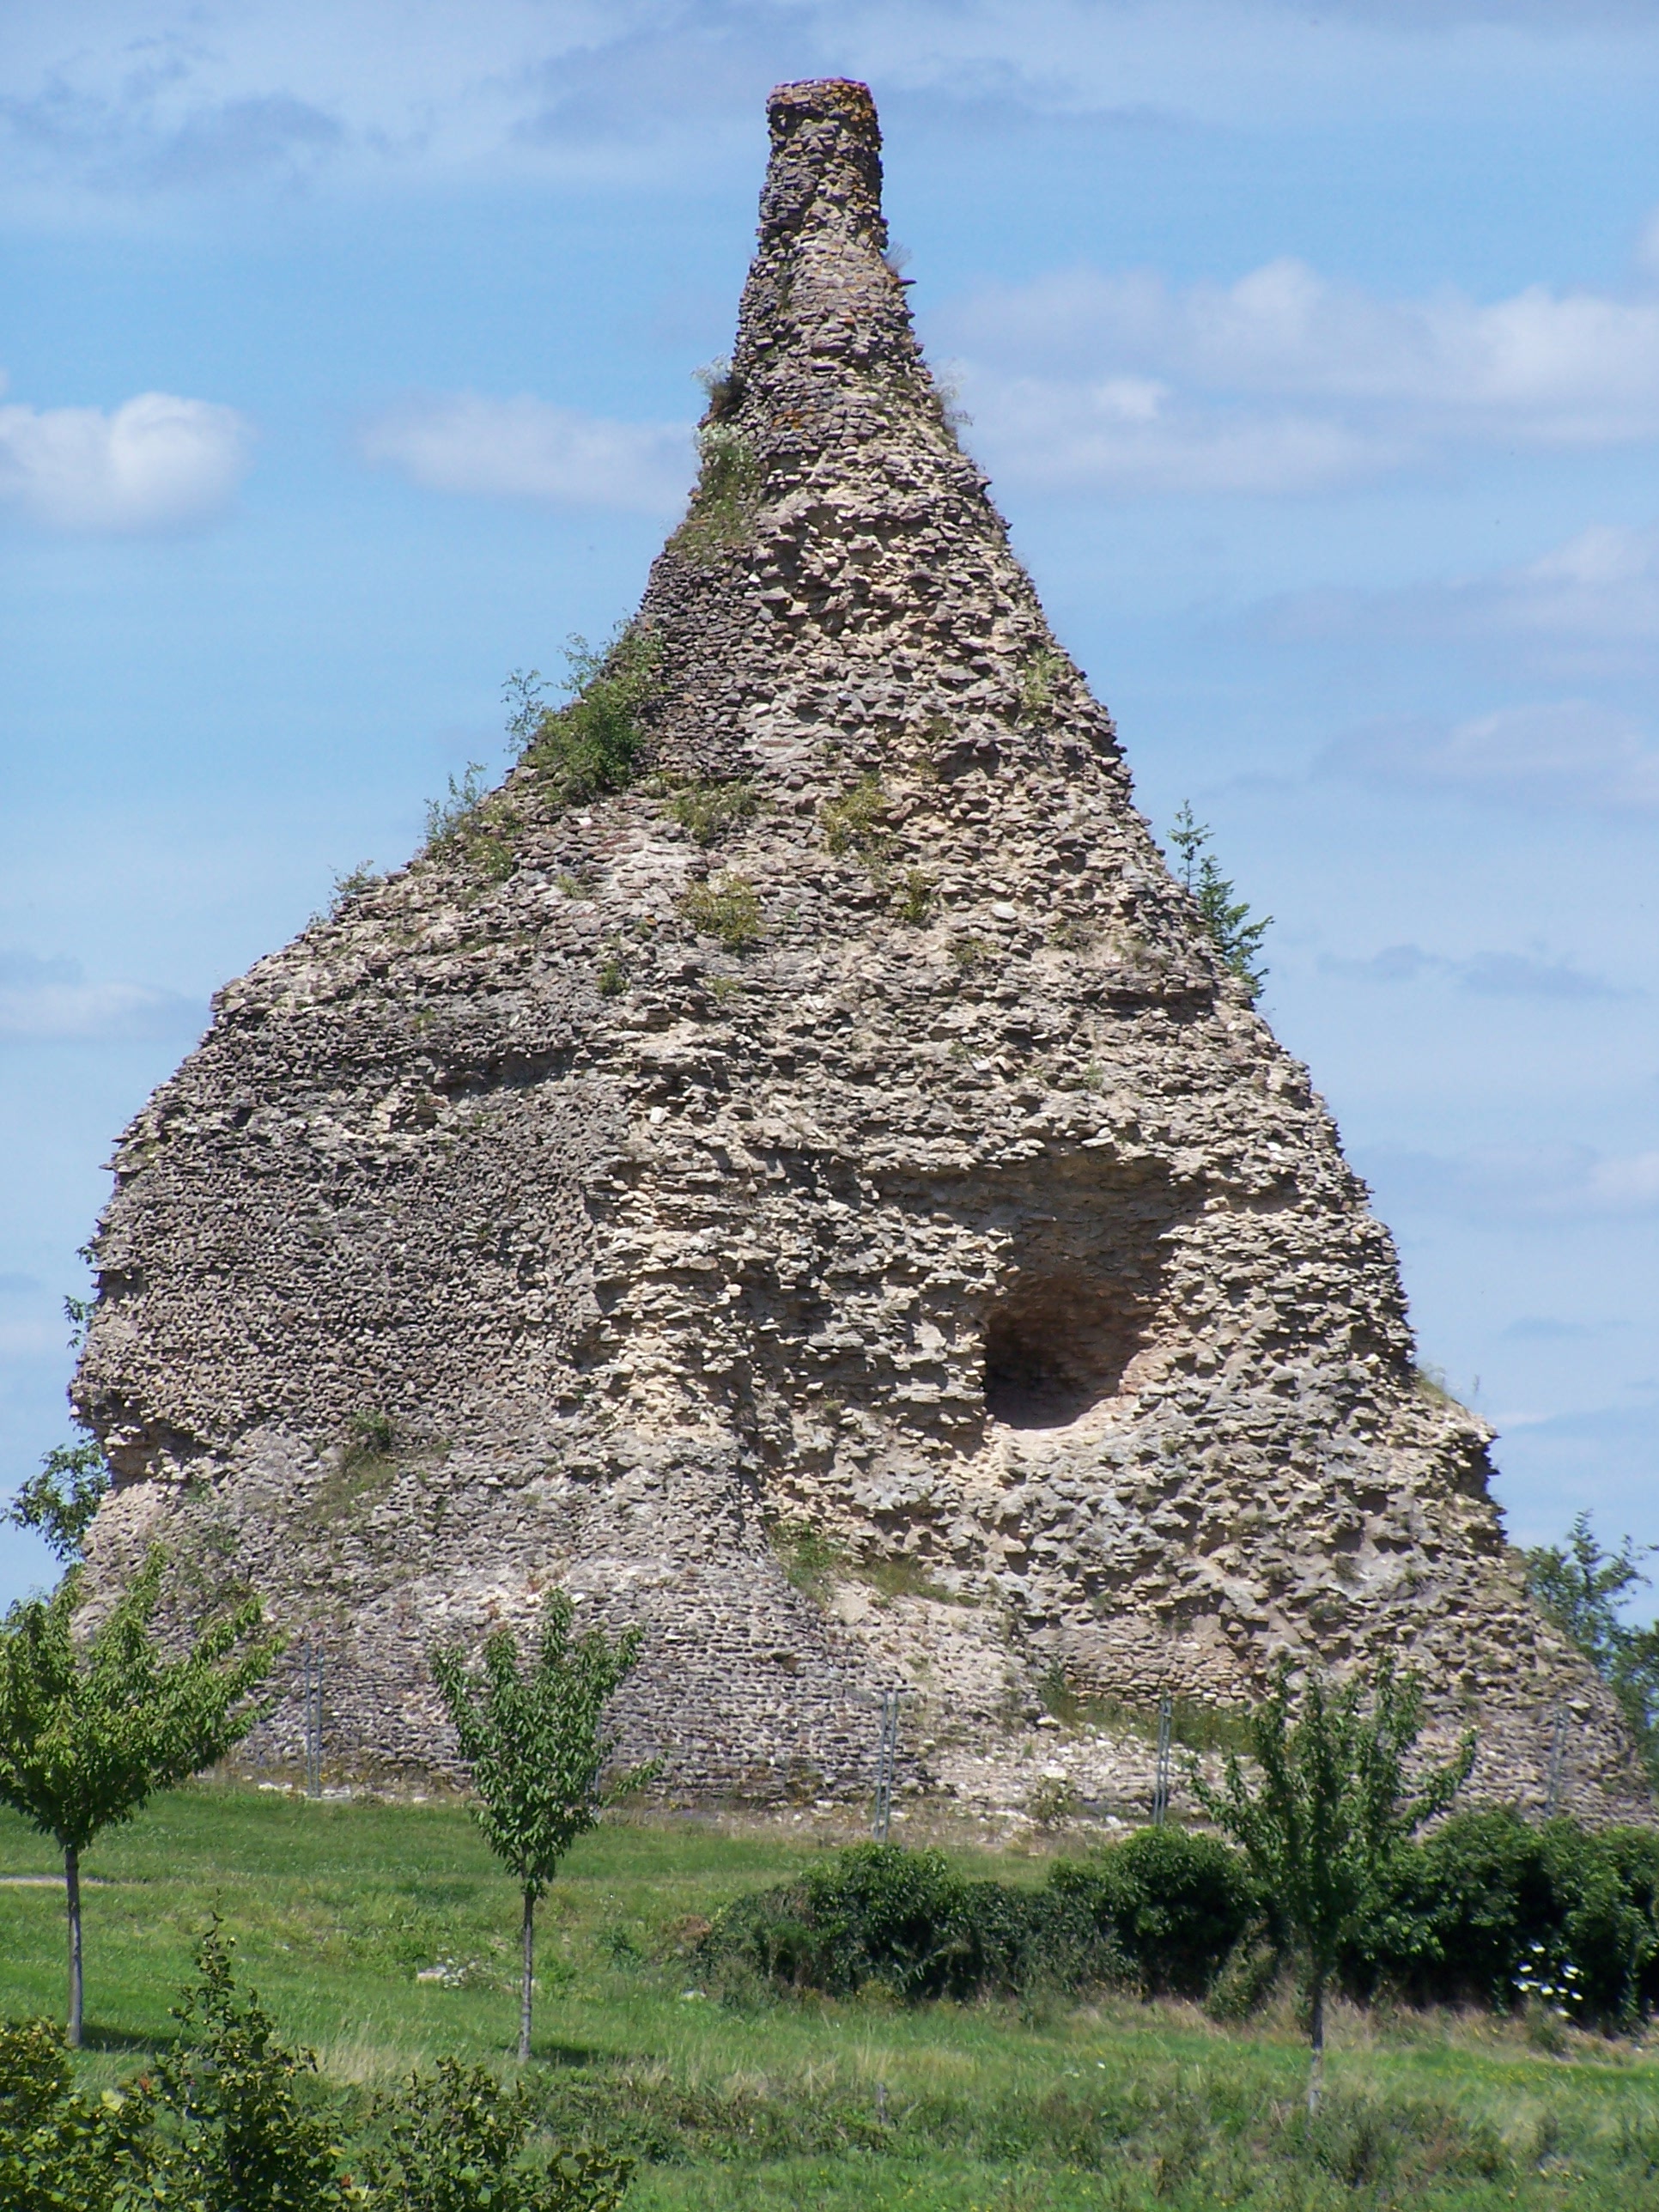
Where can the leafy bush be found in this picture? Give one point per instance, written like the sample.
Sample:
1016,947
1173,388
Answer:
908,1921
1482,1906
453,2143
591,745
231,2121
1477,1903
1176,1903
58,2152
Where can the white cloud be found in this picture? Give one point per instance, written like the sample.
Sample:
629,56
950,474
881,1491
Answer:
1136,433
527,448
51,1000
1576,753
1544,1182
1283,380
156,463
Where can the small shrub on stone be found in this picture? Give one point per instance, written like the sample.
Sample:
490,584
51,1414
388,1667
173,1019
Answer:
471,825
729,910
855,823
591,745
721,515
1039,673
916,898
707,811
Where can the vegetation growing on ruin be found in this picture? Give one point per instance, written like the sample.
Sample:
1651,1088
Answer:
856,822
1235,933
1040,672
729,910
593,745
708,810
474,825
725,498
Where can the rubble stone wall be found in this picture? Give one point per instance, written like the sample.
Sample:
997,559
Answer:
954,1285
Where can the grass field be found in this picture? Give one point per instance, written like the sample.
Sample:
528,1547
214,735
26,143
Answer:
337,1907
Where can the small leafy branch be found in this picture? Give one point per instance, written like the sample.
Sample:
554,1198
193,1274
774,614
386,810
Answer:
591,745
1235,934
365,877
59,1502
729,909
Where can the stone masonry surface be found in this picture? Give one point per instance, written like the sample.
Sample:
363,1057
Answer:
824,1200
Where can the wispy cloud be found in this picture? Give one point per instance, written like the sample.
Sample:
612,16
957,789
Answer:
44,1000
527,448
116,143
1574,753
1287,380
156,463
1589,605
1545,1182
125,99
1489,974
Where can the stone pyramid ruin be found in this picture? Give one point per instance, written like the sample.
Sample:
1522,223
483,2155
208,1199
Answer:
790,1167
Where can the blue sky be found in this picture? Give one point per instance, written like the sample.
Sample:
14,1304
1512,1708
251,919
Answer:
1314,353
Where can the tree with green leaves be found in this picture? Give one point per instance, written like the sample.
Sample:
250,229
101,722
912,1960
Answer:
59,1504
90,1729
1328,1811
535,1741
1583,1589
1235,934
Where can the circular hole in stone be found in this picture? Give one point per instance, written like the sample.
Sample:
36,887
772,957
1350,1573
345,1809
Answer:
1052,1350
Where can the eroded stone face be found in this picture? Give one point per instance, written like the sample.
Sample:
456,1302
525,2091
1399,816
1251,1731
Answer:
822,1200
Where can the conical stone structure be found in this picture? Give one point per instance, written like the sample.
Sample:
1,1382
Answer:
790,1168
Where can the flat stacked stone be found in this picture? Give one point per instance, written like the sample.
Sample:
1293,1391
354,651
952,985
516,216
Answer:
825,1200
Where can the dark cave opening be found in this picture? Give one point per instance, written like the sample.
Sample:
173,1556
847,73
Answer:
1053,1349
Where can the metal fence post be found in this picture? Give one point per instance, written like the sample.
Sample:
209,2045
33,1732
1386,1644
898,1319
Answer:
886,1763
1558,1752
1161,1784
313,1715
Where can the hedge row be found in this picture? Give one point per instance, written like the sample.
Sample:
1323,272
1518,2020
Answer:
1474,1912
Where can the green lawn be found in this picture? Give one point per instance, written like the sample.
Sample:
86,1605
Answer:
335,1907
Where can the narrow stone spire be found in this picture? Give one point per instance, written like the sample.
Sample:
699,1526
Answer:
831,1122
